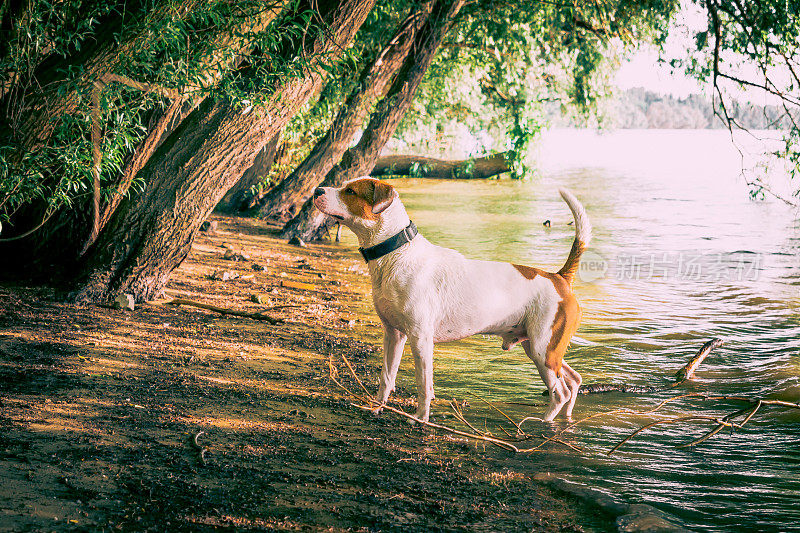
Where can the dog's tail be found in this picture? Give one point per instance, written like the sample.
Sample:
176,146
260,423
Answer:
583,234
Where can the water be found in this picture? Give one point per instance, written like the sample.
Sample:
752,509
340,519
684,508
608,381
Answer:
689,257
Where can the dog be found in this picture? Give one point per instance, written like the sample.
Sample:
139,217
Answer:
426,294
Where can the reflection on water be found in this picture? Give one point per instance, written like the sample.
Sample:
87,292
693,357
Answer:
688,257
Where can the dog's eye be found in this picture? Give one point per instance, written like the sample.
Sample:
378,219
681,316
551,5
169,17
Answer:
349,191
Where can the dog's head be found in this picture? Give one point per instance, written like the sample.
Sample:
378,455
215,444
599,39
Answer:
358,204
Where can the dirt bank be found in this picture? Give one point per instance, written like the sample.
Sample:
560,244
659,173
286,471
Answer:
100,408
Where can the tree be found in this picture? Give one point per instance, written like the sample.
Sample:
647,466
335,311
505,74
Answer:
151,233
359,160
85,81
135,126
239,197
372,84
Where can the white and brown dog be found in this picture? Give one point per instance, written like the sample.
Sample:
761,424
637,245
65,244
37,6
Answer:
429,294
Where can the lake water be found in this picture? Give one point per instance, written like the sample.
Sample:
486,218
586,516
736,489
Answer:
680,255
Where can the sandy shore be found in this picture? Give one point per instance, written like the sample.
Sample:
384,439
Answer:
100,408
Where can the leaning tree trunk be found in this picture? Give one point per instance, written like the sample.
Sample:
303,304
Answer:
428,167
372,84
309,223
150,234
61,237
239,198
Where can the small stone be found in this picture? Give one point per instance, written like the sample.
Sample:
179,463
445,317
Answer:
260,299
258,268
232,255
125,301
297,241
209,226
224,275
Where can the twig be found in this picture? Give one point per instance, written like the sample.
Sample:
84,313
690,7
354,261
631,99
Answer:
369,402
722,423
498,442
490,404
355,375
97,159
718,420
223,310
460,415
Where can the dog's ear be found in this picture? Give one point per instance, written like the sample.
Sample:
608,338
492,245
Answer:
382,197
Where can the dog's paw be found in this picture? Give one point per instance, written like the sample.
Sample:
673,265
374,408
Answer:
418,417
377,411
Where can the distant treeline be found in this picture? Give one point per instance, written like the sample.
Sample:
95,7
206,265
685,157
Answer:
639,108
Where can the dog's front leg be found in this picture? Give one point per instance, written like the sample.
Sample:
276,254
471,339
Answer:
422,348
394,341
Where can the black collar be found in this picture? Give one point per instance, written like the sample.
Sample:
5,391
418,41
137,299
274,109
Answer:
391,244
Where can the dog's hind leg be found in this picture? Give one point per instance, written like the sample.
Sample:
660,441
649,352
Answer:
556,387
393,342
573,381
422,348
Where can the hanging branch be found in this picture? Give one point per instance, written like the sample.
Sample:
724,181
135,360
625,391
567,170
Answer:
97,158
761,46
140,156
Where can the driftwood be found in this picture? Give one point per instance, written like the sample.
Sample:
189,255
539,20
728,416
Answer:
687,372
429,167
684,374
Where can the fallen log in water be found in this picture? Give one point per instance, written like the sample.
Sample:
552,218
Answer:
429,167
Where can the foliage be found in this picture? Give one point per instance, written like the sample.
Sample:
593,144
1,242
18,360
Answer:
506,70
196,49
506,61
752,47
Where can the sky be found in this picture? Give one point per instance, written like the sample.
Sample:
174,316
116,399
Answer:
643,69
